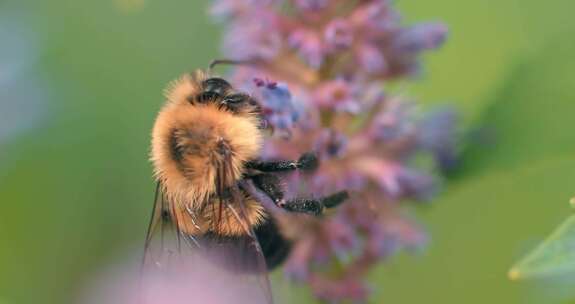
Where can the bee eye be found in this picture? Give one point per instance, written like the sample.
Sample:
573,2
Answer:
213,89
216,85
207,96
235,99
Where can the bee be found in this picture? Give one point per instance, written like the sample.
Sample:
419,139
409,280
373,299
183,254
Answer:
205,151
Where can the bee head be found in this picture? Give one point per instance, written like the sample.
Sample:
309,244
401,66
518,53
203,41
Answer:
219,92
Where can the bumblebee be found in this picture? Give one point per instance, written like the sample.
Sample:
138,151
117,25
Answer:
206,144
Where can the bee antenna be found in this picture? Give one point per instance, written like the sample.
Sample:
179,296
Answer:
217,62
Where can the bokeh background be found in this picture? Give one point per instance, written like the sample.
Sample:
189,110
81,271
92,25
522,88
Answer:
81,82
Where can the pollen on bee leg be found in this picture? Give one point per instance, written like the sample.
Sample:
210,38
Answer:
308,162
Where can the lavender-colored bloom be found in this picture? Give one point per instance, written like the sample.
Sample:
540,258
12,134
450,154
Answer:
253,40
234,8
376,18
335,57
338,34
338,95
371,59
421,37
331,144
311,5
278,106
393,122
437,136
416,185
308,45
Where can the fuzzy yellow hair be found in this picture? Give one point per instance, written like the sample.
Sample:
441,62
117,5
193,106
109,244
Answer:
190,144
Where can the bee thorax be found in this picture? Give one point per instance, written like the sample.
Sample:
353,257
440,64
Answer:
199,150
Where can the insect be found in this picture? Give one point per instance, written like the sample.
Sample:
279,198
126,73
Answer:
205,149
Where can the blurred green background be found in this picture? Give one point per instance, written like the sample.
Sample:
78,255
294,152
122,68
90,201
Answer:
81,82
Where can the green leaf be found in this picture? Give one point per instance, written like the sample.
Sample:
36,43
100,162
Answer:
554,256
526,120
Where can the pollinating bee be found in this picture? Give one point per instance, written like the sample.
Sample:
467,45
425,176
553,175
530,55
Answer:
205,149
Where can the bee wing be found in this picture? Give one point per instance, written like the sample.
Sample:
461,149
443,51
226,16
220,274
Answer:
204,265
166,245
243,254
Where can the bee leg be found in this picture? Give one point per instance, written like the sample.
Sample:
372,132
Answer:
315,206
304,205
306,162
334,199
274,245
271,185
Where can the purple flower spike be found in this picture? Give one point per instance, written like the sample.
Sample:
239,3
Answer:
336,57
